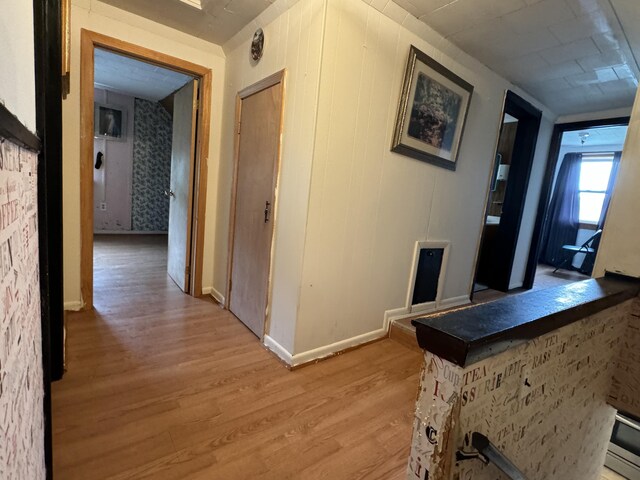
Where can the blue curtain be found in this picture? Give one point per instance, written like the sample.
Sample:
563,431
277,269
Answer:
564,210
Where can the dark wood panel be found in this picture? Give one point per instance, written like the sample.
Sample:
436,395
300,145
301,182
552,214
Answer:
11,128
473,334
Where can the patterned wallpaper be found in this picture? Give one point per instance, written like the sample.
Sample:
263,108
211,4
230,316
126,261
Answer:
21,381
625,391
151,166
544,404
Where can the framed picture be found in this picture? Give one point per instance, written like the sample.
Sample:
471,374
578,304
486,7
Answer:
110,122
432,112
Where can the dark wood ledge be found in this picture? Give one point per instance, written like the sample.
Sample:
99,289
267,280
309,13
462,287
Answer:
467,336
13,130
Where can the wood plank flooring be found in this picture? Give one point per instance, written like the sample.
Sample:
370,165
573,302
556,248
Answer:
161,385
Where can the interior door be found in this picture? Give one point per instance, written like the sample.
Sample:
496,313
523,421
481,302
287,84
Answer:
258,144
181,189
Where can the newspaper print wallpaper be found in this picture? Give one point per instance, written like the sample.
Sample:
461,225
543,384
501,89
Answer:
625,391
544,404
151,167
21,381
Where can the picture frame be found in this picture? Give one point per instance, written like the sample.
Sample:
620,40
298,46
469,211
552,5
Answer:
432,112
110,122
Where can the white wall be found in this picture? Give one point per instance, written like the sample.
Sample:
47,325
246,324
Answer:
99,17
17,75
619,250
369,206
293,41
112,181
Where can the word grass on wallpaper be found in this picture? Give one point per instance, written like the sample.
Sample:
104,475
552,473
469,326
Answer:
21,380
151,167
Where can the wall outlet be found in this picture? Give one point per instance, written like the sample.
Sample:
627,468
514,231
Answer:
103,207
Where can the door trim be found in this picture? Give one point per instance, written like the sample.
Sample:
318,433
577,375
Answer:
268,82
89,41
529,119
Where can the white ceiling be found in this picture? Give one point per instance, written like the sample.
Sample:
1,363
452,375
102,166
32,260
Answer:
217,22
132,77
597,137
573,55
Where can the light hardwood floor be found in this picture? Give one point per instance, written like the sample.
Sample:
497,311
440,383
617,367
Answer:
161,385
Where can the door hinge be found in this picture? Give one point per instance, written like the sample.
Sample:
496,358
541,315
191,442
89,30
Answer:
187,270
238,128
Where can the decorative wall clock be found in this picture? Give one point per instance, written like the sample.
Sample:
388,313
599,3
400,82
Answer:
257,45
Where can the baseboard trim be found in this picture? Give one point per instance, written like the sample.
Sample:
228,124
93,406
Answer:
278,350
338,348
217,296
455,301
299,360
73,306
391,316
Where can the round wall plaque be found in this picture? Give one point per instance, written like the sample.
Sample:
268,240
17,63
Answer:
257,45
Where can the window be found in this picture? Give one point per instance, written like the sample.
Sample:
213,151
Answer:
595,170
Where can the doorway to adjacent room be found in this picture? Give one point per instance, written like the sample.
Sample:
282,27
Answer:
144,145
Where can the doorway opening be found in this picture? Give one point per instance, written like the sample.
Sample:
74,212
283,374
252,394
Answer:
578,185
143,139
144,144
505,204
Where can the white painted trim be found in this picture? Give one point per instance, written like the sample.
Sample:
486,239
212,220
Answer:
328,350
322,352
73,306
278,350
213,293
455,302
392,316
129,232
428,306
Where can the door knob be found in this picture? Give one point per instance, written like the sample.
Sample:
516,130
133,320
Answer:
168,193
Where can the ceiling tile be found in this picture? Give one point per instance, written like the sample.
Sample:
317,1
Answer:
538,16
580,7
609,58
581,27
593,77
570,51
623,71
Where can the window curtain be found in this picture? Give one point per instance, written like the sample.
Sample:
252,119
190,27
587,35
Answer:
587,264
564,210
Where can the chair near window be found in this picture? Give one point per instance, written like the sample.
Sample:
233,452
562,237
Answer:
572,250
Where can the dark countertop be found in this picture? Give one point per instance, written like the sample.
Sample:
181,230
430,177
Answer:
467,336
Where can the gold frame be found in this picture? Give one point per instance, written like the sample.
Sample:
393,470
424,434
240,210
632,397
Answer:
65,35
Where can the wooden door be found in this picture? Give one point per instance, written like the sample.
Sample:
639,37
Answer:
258,146
181,188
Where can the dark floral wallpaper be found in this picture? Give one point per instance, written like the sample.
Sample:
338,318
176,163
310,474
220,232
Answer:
151,167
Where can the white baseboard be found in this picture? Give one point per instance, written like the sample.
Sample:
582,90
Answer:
322,352
455,301
213,293
217,296
73,306
278,350
332,349
391,316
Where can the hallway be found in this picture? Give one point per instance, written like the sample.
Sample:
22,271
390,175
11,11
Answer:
165,386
